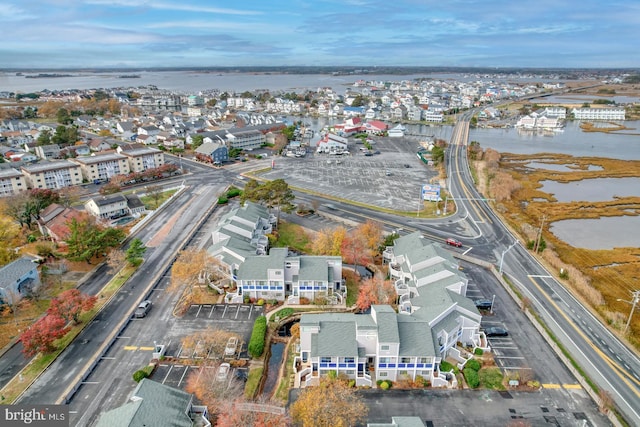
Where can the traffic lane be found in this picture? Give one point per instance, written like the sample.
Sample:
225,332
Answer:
530,345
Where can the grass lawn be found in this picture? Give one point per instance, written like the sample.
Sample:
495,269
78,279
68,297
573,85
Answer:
491,378
292,236
150,202
253,381
282,394
352,287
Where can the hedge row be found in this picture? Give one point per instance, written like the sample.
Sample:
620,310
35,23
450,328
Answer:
142,373
256,343
473,364
471,377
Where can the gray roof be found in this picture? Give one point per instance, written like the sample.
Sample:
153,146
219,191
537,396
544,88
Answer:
133,201
208,148
9,173
137,152
12,272
109,200
386,318
412,334
98,159
256,267
153,404
335,339
49,166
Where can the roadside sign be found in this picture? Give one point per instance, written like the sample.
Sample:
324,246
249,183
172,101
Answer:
431,192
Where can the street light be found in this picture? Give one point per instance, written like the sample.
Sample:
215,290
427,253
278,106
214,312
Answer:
633,302
503,253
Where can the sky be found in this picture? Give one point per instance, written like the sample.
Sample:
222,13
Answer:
203,33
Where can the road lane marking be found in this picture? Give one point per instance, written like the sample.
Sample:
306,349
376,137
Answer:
511,357
550,385
572,386
107,358
130,347
146,348
89,382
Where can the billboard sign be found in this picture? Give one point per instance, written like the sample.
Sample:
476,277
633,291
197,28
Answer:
431,192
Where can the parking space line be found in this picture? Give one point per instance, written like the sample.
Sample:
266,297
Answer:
89,382
107,358
186,369
167,376
225,311
123,338
198,312
237,312
213,307
250,310
507,347
511,357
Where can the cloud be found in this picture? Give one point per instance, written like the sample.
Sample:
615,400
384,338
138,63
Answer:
177,6
10,12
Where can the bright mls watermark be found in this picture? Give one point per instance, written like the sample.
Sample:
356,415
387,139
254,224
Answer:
34,415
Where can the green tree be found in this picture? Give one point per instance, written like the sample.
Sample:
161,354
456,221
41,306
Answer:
135,252
63,117
437,154
30,113
289,132
87,239
196,141
44,138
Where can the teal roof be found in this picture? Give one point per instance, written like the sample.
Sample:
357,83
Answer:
335,339
153,404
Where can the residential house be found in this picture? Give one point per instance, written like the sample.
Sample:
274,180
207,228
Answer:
81,149
11,182
18,279
433,316
97,145
212,152
142,159
155,404
47,152
432,116
397,131
107,207
332,144
52,175
245,139
102,167
148,130
54,221
607,114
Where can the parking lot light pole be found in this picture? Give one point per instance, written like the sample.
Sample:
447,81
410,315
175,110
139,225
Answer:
503,254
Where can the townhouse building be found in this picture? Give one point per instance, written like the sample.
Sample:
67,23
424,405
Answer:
142,159
11,182
213,152
102,167
599,114
52,175
433,316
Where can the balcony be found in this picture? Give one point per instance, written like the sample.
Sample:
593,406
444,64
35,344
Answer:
401,287
395,271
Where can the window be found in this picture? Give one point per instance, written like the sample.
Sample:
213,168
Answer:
382,374
325,359
349,360
405,360
424,360
384,359
384,347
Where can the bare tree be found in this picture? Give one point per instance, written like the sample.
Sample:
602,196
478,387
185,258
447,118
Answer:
155,192
116,261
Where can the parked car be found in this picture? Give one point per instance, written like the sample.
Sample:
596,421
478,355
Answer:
368,154
231,347
223,372
143,309
483,304
388,173
454,242
241,374
496,332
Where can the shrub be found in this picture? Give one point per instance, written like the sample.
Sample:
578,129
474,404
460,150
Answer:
222,200
256,343
445,366
471,377
260,302
285,312
385,385
233,192
142,373
478,351
473,364
352,383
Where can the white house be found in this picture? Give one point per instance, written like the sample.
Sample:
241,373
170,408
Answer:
18,279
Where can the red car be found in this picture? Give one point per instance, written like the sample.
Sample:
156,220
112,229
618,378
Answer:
454,242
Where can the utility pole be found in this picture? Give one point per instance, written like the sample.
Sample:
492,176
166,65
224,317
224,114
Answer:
537,245
634,301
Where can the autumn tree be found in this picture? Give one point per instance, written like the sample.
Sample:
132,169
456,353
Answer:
135,252
9,239
331,404
355,250
373,291
70,304
70,195
192,268
204,384
116,260
40,336
371,233
110,188
328,241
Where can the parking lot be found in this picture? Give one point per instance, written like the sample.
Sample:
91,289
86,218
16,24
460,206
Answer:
381,180
176,375
224,312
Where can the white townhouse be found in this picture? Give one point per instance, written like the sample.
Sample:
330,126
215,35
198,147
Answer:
102,167
114,206
278,276
52,175
11,182
433,317
599,114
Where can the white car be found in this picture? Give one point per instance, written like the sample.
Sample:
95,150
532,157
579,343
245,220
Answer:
223,372
231,347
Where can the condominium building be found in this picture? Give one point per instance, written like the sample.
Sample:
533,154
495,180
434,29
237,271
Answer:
434,315
11,182
103,167
141,159
599,114
52,175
